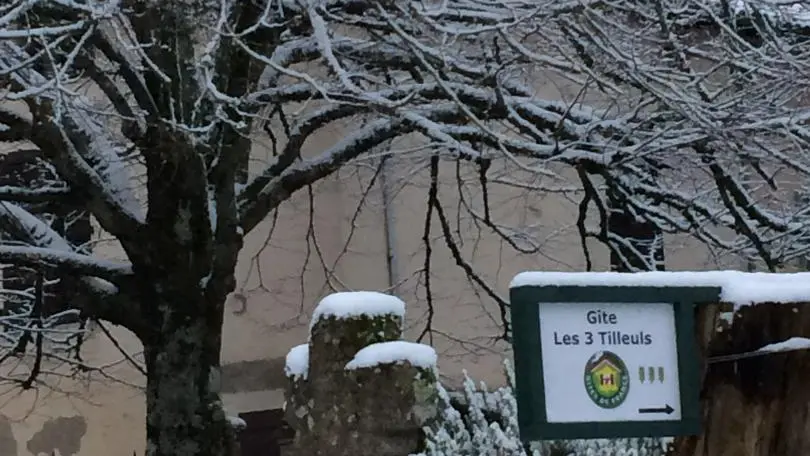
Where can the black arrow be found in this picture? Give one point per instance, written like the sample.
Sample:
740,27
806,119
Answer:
666,409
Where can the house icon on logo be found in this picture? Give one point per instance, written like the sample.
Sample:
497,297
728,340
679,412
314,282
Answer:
606,378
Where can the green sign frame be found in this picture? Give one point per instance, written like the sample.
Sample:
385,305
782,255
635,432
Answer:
526,342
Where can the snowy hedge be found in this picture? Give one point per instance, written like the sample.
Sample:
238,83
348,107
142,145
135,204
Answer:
484,423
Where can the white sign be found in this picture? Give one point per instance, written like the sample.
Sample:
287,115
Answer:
609,362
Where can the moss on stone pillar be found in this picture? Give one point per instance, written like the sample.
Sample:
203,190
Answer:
362,392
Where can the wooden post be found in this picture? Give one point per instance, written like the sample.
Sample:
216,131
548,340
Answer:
753,405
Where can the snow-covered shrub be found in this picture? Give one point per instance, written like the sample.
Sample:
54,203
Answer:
479,422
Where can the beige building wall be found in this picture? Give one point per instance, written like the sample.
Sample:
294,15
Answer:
308,249
283,274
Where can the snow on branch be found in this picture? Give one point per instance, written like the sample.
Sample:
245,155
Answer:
28,195
27,228
794,343
785,346
458,75
258,199
79,146
13,127
69,261
23,226
89,160
686,129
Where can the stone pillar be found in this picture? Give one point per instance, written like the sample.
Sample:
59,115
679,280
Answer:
355,389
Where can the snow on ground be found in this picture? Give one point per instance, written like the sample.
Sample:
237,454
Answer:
396,352
740,288
297,363
351,304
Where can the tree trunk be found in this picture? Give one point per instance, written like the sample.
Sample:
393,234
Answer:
643,246
184,415
184,273
757,405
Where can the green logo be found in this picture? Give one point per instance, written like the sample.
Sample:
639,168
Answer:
606,379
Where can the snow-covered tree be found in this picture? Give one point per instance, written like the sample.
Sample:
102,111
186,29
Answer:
146,111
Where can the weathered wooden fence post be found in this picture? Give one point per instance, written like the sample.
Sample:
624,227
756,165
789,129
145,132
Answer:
356,389
755,401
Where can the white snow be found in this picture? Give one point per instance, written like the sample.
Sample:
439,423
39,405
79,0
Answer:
794,343
212,208
37,233
110,173
795,13
349,304
56,257
236,423
740,288
297,363
396,352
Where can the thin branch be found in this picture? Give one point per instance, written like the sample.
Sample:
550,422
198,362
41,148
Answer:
427,242
503,305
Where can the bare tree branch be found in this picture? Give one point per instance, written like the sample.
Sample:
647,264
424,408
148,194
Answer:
72,262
